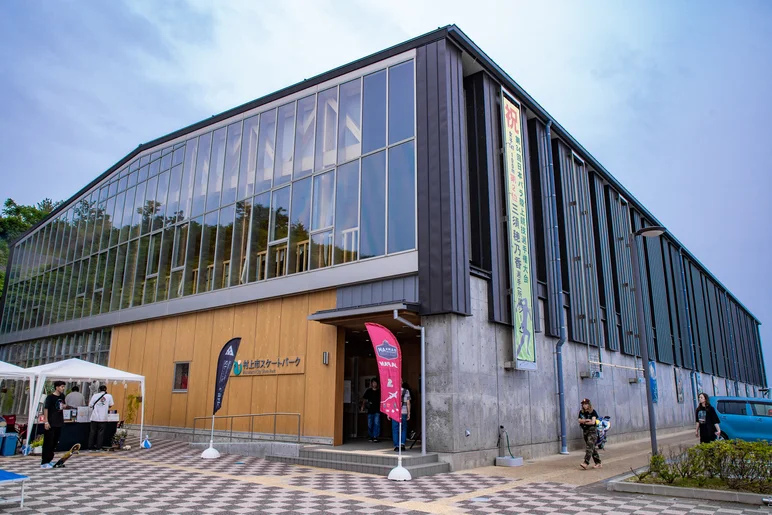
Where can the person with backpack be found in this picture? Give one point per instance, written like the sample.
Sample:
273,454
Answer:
100,404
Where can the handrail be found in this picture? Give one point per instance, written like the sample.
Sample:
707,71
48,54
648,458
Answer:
251,423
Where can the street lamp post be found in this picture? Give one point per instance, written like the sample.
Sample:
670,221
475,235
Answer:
647,232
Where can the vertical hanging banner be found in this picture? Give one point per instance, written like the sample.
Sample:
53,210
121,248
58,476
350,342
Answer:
389,357
518,232
224,366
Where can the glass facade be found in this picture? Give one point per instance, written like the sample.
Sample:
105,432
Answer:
323,180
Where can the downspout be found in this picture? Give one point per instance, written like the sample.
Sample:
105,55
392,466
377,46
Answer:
556,270
689,329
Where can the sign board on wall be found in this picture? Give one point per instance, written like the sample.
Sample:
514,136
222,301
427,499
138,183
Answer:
270,366
518,234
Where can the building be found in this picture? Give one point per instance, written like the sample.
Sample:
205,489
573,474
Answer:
375,189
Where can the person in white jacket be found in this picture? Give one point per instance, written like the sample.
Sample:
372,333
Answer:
100,404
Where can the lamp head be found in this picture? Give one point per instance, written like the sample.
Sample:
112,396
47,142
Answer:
651,231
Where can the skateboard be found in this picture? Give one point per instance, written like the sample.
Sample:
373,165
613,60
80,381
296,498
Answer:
67,455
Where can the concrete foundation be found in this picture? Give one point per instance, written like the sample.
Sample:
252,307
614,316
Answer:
470,394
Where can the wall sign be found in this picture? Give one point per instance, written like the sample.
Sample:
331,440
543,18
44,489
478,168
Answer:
270,366
518,230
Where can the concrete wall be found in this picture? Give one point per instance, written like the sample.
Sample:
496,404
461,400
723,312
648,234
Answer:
468,389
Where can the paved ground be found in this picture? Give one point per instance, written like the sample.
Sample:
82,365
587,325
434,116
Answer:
170,478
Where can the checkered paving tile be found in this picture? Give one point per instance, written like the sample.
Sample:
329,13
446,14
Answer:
422,489
567,499
180,454
102,484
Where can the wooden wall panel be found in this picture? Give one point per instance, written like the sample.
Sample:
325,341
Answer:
268,331
161,394
290,395
222,332
239,390
319,405
198,379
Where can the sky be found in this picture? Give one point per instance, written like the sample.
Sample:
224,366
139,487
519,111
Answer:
673,98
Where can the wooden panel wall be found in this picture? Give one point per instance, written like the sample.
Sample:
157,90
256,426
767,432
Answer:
268,329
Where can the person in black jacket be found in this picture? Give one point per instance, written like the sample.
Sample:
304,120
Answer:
53,421
708,428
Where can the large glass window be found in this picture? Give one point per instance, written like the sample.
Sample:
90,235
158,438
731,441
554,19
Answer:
139,210
150,206
258,242
188,179
401,104
164,277
347,213
350,123
240,242
284,144
304,137
173,204
222,268
326,128
266,151
202,174
192,255
374,115
206,277
281,192
300,222
373,235
216,169
231,174
248,161
279,229
402,209
324,199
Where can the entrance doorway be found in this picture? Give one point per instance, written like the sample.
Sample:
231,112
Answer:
361,366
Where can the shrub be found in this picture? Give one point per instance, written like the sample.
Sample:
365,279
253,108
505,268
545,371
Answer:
739,465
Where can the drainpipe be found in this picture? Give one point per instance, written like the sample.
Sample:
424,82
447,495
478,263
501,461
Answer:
552,199
689,330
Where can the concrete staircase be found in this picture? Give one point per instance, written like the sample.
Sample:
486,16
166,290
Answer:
367,463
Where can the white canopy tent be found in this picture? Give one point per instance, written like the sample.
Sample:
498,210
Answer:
78,370
8,371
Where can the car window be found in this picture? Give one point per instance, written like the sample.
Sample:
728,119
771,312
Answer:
731,407
762,409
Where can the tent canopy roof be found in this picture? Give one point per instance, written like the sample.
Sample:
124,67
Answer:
8,370
75,368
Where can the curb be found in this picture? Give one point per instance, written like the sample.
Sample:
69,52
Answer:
620,484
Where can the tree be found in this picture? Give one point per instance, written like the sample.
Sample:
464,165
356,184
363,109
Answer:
15,219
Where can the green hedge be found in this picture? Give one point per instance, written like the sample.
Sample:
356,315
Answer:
734,464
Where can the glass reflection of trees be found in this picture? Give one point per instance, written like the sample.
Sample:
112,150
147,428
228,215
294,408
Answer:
323,180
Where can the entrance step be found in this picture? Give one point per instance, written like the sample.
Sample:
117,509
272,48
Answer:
367,463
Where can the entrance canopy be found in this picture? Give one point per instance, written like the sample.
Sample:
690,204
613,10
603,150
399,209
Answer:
78,370
354,318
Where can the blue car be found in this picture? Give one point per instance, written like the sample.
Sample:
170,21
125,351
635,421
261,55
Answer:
744,418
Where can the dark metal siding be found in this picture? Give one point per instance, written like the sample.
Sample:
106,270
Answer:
489,238
570,236
605,275
638,223
659,300
684,308
672,272
729,336
397,289
619,223
700,321
443,260
544,220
